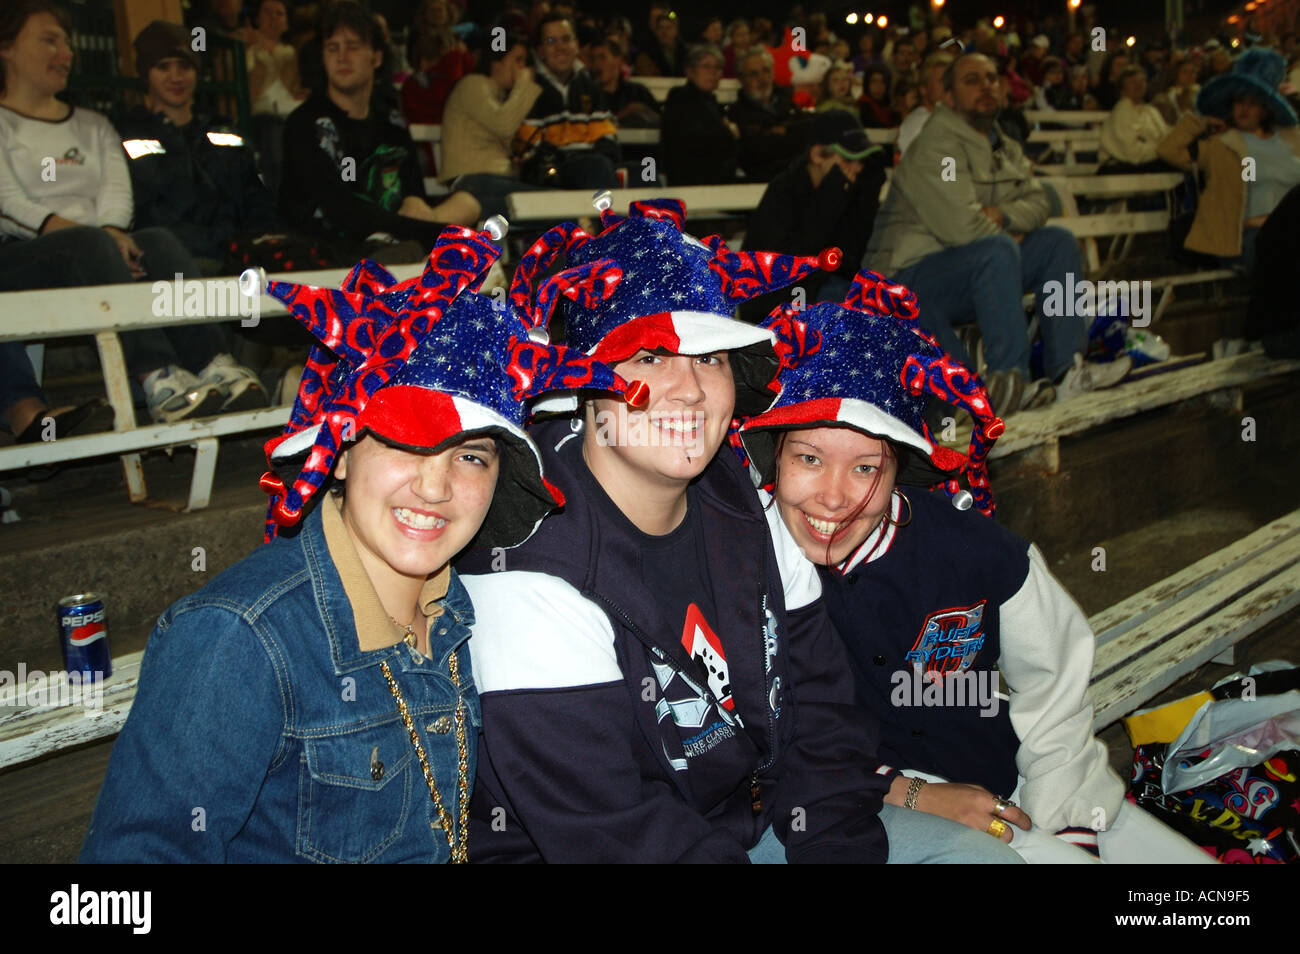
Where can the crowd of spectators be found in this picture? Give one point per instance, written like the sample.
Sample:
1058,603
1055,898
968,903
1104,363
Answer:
534,98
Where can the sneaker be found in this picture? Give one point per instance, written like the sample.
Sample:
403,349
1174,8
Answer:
286,391
1005,389
174,394
240,388
1037,394
1229,348
1107,374
1092,376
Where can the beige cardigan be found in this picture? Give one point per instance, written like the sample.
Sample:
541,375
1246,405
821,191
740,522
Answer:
1221,211
477,125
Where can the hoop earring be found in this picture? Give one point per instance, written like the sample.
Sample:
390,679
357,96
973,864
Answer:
909,510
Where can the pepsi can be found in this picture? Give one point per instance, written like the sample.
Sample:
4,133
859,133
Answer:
84,637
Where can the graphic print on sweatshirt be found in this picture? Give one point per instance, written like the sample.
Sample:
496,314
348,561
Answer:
704,717
949,640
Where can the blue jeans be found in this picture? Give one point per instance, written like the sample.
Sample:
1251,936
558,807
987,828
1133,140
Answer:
1246,260
916,838
491,190
85,255
983,282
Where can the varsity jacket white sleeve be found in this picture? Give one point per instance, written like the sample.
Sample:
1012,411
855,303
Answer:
1047,656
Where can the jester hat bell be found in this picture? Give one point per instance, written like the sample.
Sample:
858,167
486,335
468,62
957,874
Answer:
865,363
422,364
663,290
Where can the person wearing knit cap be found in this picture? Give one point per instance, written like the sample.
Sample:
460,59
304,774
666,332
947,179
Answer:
329,667
936,602
658,682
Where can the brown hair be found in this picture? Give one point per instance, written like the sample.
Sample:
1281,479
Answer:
14,16
887,453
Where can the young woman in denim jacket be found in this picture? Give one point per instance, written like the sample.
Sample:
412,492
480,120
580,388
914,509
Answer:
315,702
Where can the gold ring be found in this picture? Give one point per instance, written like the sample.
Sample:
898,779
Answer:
1003,805
997,827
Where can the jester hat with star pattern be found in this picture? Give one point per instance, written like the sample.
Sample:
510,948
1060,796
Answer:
865,363
424,364
666,291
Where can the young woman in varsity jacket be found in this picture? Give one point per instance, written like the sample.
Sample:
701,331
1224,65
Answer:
933,601
658,681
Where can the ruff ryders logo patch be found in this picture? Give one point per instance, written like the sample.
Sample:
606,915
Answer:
949,640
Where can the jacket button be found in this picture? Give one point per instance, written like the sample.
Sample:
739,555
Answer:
878,660
441,725
376,771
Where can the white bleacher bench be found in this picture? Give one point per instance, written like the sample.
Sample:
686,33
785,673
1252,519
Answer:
104,311
1123,227
1069,117
1041,429
563,204
1144,644
1149,641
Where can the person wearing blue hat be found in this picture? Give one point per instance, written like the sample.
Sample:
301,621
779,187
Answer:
315,702
658,677
1246,143
937,605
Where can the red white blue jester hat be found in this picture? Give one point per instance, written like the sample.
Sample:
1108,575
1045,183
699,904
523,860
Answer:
865,363
666,290
424,364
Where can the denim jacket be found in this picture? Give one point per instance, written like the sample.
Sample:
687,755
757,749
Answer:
261,732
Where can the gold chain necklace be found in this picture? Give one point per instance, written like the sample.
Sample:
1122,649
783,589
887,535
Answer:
459,845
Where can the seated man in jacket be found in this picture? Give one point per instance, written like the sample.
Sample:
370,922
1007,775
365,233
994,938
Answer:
772,127
699,142
191,173
351,172
963,228
827,197
568,136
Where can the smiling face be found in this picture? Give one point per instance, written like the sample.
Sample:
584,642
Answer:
833,487
39,57
408,514
672,439
171,82
558,47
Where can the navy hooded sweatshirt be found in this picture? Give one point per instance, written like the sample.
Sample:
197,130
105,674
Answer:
611,735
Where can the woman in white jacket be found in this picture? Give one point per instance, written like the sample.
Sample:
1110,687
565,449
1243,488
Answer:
1133,130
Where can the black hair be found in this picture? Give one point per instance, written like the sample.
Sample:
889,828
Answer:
490,54
348,15
550,18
